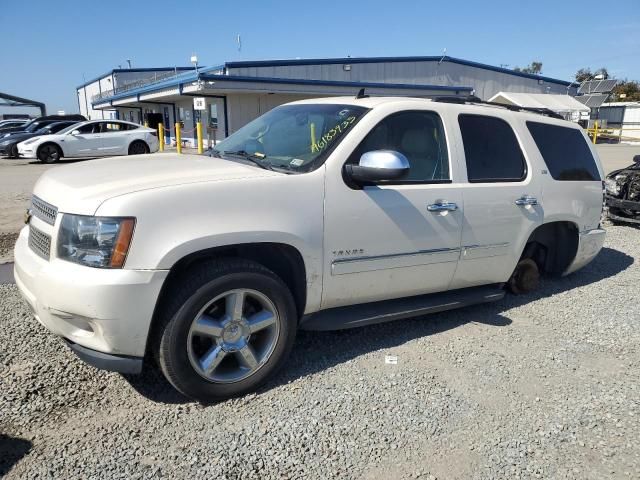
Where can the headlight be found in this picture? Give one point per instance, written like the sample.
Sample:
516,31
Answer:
611,186
101,242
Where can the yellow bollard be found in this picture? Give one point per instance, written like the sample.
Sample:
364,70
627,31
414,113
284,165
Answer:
146,124
160,137
178,138
595,132
199,132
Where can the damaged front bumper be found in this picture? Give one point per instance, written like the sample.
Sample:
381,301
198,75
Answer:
622,210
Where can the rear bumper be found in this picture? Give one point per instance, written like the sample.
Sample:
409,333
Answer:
589,245
106,311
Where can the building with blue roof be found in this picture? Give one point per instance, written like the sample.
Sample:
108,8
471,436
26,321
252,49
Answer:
237,92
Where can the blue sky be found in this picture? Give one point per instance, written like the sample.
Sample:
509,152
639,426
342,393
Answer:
48,47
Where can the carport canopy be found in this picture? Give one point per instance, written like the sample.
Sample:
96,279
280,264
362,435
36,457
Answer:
556,103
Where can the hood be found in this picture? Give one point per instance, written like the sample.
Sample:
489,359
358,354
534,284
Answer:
18,137
81,187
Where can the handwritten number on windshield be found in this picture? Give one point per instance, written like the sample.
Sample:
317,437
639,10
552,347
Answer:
331,134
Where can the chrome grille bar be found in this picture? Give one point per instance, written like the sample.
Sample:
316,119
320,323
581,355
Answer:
43,210
39,242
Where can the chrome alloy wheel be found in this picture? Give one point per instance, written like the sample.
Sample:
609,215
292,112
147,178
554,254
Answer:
233,336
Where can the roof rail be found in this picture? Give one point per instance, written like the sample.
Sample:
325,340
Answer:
473,100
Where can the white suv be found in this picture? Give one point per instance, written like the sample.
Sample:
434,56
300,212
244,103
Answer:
321,214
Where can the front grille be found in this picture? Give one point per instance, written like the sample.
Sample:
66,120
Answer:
39,242
43,210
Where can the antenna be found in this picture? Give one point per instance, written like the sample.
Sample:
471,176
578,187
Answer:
361,94
129,62
239,42
444,54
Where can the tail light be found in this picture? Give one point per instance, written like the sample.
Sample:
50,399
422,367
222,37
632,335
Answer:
154,133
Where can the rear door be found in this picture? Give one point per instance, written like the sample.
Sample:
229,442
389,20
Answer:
115,138
502,197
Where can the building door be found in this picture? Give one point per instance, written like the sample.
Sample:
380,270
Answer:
167,125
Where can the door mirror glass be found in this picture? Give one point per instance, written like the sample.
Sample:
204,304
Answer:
377,166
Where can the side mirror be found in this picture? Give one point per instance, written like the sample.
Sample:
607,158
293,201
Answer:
636,159
378,165
75,132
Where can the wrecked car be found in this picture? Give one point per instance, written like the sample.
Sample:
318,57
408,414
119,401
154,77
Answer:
623,193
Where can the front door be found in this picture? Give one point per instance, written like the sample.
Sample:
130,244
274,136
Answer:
384,241
85,142
502,198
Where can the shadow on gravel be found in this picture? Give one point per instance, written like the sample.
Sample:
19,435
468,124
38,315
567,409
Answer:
152,385
11,451
317,351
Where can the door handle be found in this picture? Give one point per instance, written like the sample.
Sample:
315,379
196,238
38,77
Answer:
442,207
526,200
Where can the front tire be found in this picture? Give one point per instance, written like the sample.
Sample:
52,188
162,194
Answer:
49,153
13,151
229,326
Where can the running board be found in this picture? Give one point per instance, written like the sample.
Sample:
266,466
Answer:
378,312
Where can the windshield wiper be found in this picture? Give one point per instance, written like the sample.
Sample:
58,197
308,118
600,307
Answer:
248,156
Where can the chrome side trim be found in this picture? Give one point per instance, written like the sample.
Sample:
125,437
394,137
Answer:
394,260
472,252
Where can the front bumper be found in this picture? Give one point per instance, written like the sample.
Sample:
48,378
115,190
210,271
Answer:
589,245
105,310
26,151
623,205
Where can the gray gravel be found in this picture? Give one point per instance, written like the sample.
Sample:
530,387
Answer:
541,386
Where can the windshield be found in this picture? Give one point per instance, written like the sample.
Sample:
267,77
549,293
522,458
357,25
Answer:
292,137
33,126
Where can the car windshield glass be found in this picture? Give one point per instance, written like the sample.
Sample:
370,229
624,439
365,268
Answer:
33,127
291,137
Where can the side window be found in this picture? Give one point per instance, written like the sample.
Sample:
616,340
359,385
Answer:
491,150
109,127
419,136
565,151
89,128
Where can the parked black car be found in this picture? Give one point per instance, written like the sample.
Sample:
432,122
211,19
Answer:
9,145
40,122
10,123
623,193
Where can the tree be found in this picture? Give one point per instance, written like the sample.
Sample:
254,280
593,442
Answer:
583,75
535,68
629,88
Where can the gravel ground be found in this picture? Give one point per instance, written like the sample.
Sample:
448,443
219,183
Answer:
538,386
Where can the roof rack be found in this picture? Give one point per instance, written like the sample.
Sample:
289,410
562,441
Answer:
473,100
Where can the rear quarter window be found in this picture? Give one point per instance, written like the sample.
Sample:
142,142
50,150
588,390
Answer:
565,151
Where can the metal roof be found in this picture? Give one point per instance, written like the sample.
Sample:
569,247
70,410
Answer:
356,60
118,70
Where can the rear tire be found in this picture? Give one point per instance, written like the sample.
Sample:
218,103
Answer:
49,153
138,148
525,278
227,326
